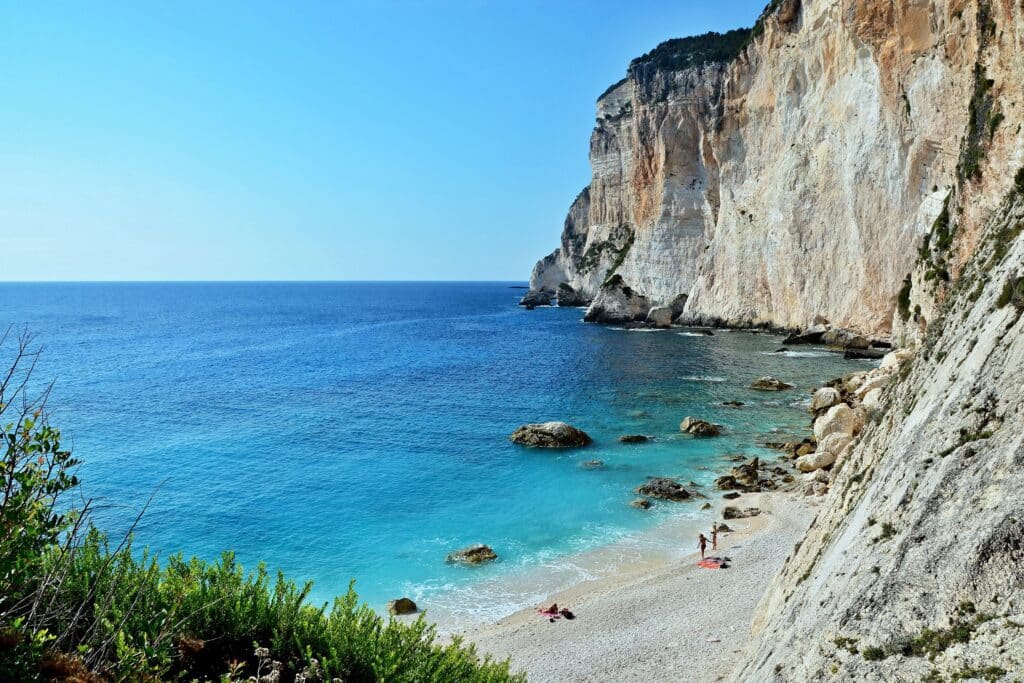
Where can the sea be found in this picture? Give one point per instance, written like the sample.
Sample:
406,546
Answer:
359,430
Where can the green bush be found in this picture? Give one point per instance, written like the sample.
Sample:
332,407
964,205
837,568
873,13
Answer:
74,608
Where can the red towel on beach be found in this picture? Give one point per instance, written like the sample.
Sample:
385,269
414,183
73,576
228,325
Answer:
712,563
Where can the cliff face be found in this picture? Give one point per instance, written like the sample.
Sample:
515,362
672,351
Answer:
861,160
797,180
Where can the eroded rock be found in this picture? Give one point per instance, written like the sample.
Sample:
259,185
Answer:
769,383
474,554
550,435
402,606
664,488
698,427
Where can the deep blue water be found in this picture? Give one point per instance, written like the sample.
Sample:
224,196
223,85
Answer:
359,430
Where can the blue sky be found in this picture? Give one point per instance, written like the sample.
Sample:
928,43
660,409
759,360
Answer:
335,140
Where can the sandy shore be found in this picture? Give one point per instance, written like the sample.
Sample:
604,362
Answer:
668,622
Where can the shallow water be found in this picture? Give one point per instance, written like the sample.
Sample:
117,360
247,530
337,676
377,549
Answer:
359,430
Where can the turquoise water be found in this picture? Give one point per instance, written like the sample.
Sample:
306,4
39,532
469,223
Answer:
359,430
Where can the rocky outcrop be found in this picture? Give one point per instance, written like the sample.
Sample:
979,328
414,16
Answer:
550,435
634,438
474,554
768,383
567,296
660,316
536,297
698,427
616,302
664,488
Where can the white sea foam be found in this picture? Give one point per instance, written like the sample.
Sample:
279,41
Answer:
692,334
702,378
799,354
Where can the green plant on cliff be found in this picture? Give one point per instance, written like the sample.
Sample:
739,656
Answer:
74,608
903,299
981,125
681,53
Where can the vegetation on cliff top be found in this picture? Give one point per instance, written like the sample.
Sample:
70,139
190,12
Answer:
75,609
681,53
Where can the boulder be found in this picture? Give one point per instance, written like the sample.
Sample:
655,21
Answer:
854,381
872,400
536,297
474,554
662,487
697,427
641,504
402,606
824,398
860,419
731,512
812,335
550,435
838,419
781,350
733,404
634,438
819,488
845,339
828,451
896,358
732,495
567,296
726,482
616,302
803,449
747,474
592,464
705,506
660,316
863,354
768,383
872,381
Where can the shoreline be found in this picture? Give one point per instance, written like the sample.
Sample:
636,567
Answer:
663,618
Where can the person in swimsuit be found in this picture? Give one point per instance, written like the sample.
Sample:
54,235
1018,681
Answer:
702,543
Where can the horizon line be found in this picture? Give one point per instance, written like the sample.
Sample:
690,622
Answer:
211,282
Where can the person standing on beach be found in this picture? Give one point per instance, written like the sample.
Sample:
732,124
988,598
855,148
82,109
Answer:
702,543
714,535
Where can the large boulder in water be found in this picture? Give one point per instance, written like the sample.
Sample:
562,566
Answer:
812,335
550,435
845,339
616,302
402,606
536,297
664,488
474,554
768,383
567,296
697,427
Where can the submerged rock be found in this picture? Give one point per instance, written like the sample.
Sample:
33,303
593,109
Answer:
769,383
665,488
550,435
698,427
641,504
474,554
634,438
733,404
592,464
402,606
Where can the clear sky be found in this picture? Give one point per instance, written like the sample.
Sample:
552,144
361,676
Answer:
306,141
